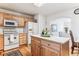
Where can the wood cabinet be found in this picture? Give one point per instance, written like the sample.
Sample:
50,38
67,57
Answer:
30,20
46,51
20,20
7,16
1,52
42,47
1,20
23,38
1,42
50,48
36,47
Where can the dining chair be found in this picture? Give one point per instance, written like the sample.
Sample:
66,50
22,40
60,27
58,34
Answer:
74,44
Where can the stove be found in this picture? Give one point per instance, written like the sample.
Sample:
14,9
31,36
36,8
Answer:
11,38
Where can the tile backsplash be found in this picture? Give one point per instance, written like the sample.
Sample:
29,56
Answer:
1,30
19,30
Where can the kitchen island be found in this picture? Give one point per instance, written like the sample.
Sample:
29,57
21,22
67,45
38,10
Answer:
49,46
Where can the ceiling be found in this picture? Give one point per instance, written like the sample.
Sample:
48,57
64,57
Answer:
46,9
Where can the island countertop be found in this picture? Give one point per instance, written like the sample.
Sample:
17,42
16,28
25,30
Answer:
61,40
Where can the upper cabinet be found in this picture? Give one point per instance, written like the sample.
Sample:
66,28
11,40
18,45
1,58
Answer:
20,19
7,16
1,19
30,20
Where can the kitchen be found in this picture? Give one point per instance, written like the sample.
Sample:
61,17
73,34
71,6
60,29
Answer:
12,32
37,33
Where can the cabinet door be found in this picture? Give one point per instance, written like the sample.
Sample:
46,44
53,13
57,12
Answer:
30,20
22,37
20,20
1,52
1,42
35,49
7,16
22,41
45,51
1,19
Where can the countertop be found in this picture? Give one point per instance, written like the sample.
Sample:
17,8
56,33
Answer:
61,40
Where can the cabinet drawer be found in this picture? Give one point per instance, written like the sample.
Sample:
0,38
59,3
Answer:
52,45
22,34
22,37
23,42
36,39
45,51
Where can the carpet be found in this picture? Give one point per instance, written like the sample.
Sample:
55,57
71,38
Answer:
13,53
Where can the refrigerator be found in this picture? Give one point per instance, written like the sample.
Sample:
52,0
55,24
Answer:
31,29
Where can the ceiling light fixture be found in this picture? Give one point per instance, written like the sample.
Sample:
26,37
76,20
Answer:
38,4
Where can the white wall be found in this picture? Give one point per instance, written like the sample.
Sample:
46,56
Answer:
68,14
41,20
61,24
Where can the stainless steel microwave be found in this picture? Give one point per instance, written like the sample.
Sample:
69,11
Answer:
10,23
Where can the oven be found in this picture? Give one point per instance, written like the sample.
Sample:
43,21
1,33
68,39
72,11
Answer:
11,38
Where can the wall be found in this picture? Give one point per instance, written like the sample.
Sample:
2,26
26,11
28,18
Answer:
61,24
68,14
41,20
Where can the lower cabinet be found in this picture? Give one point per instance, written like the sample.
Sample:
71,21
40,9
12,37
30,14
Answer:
23,38
1,52
36,50
1,42
35,47
39,49
45,51
42,47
